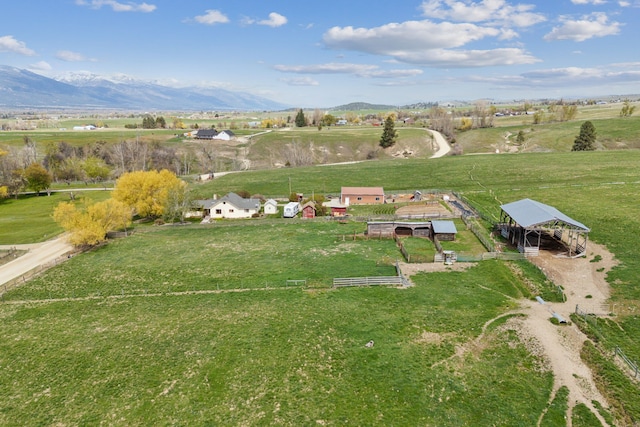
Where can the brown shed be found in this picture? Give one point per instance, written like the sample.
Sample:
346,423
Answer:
309,210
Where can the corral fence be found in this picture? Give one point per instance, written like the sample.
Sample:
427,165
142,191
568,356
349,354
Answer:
407,256
592,320
399,279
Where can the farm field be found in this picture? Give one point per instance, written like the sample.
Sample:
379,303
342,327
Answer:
198,325
288,355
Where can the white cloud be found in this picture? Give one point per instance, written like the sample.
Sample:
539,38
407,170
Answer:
329,68
594,2
212,17
563,78
275,20
497,12
395,38
117,6
595,25
428,43
449,58
10,44
69,56
360,70
301,81
40,66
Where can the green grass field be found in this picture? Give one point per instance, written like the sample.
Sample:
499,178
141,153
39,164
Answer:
288,357
197,325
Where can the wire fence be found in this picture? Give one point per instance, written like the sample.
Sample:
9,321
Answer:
592,320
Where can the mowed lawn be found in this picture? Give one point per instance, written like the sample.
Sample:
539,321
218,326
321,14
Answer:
286,357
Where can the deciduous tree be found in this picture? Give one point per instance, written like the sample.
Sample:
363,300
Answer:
90,226
37,177
146,192
627,109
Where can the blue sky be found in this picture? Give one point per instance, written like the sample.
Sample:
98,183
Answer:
334,52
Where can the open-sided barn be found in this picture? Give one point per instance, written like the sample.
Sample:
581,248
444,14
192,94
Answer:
527,224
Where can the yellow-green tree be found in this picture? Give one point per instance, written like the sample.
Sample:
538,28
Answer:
90,226
147,192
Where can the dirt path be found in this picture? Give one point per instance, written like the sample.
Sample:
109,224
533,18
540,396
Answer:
584,285
443,145
38,254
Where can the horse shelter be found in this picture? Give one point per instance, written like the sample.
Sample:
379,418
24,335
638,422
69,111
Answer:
530,225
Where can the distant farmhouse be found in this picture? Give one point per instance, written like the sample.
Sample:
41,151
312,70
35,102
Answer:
229,206
225,135
362,195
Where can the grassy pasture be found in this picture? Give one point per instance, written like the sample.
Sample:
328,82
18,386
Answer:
154,358
612,134
287,357
233,256
29,218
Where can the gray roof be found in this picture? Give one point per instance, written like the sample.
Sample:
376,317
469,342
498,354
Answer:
233,199
528,213
443,227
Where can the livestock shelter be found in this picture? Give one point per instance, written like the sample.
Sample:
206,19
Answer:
391,228
529,224
444,230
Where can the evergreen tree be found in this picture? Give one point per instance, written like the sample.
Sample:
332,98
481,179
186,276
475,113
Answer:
301,120
389,133
586,140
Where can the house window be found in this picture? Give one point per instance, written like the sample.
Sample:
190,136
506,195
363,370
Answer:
230,210
377,199
359,198
246,210
218,211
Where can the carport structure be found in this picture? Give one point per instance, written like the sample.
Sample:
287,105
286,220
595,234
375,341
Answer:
526,223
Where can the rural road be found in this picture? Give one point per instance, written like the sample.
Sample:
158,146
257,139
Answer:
38,254
443,145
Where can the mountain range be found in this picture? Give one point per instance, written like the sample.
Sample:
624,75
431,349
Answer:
23,89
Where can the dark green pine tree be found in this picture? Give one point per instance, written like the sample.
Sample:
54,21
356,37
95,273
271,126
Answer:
389,133
301,120
586,140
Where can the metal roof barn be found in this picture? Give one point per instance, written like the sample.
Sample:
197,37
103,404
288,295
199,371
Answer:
526,222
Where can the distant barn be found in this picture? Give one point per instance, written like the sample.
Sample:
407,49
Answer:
528,225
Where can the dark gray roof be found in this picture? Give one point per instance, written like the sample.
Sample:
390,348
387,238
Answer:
443,227
238,202
528,213
206,133
231,198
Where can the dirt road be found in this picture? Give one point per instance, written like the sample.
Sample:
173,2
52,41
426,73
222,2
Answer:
38,254
443,145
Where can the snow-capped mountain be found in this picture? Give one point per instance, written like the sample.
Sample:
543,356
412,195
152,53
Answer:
24,89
